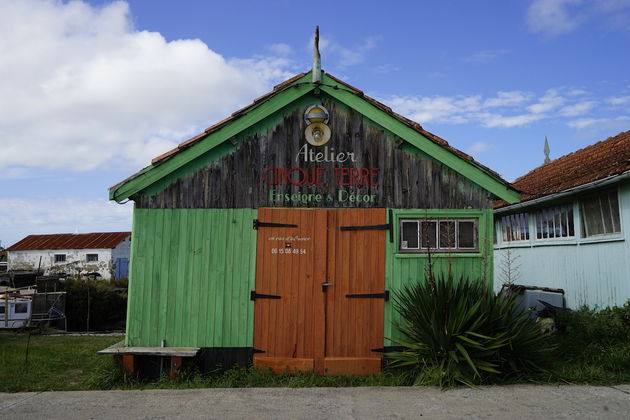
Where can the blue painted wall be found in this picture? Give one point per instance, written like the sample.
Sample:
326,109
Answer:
593,272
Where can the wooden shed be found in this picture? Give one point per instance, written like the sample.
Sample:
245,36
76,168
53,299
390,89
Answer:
278,234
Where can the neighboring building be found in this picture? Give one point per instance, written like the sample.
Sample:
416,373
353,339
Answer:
3,261
571,230
279,233
73,254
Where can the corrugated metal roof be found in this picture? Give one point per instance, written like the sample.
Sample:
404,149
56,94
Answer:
70,241
601,160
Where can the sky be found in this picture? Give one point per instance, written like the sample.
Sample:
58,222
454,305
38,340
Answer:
90,91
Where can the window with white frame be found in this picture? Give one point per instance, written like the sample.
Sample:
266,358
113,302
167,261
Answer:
440,235
60,258
600,214
555,222
91,257
514,227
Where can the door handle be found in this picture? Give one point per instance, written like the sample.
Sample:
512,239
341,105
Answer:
325,285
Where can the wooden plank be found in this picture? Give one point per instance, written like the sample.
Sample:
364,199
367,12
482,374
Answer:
280,365
352,365
152,351
129,363
370,144
176,364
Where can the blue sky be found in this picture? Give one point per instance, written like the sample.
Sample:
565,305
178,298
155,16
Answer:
91,90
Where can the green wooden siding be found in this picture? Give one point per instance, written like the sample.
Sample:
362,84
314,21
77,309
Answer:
403,269
190,276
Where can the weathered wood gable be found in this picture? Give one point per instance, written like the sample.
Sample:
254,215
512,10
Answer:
269,166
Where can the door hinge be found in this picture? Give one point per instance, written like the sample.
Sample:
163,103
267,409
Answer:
253,296
384,295
257,224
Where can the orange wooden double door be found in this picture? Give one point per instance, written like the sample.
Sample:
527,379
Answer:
319,298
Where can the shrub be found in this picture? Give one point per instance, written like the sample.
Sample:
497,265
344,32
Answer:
459,332
107,308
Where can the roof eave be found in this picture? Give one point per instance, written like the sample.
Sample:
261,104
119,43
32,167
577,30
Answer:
563,194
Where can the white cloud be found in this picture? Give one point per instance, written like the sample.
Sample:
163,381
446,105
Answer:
88,90
439,109
510,98
20,217
619,100
281,49
549,101
556,17
345,57
508,121
553,17
617,123
478,147
577,109
505,109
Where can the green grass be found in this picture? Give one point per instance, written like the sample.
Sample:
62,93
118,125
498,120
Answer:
593,348
54,363
245,378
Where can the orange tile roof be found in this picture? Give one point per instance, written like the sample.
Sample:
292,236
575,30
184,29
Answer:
412,124
595,162
70,241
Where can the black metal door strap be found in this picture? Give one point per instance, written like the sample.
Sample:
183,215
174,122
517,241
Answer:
384,295
253,296
258,224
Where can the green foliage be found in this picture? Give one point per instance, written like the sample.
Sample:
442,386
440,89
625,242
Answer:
459,332
594,346
107,308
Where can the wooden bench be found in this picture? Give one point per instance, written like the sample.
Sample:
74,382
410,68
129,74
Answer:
129,354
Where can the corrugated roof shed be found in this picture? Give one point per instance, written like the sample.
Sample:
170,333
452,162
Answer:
70,241
595,162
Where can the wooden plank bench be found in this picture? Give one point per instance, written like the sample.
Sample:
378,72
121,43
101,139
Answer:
128,355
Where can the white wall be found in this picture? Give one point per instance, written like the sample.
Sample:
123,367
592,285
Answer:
75,264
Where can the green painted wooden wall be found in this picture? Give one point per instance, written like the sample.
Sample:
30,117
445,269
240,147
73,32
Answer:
403,269
190,277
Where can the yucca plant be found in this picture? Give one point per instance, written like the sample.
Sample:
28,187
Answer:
463,333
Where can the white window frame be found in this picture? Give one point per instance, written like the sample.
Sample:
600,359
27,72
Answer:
583,226
402,248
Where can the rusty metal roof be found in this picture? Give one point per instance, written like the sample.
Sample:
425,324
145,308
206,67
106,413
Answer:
410,123
601,160
70,241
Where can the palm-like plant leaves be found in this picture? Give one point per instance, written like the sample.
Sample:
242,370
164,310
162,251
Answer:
465,331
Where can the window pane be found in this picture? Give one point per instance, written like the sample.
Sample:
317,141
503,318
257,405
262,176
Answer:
600,214
466,234
2,309
614,211
447,234
555,222
515,227
21,308
428,234
409,235
92,257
